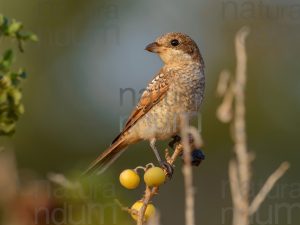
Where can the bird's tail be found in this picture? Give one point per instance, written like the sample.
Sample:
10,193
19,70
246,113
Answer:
107,157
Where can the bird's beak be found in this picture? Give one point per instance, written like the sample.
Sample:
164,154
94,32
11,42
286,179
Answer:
153,47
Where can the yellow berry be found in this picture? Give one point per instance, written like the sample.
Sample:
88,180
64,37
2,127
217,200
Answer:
154,177
129,179
150,210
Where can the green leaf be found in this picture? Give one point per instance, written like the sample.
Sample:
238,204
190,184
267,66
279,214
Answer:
22,74
11,106
7,128
20,110
16,96
5,82
27,36
7,60
3,98
33,37
14,27
8,55
1,19
4,24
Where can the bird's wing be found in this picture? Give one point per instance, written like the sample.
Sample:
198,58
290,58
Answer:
154,92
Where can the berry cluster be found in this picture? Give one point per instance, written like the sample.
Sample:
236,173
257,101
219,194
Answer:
153,177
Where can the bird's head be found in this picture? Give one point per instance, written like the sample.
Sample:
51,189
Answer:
175,48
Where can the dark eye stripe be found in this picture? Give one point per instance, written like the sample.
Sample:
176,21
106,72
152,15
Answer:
174,42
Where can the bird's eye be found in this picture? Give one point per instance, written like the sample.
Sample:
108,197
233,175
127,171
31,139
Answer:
174,42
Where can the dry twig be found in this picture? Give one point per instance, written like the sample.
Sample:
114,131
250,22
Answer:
188,172
240,167
267,187
147,197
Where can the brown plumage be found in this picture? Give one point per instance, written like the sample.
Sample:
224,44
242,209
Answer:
177,88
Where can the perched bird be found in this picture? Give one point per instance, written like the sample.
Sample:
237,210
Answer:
177,88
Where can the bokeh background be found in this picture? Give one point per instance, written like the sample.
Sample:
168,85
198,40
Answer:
88,51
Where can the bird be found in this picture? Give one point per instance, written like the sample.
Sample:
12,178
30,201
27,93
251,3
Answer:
177,88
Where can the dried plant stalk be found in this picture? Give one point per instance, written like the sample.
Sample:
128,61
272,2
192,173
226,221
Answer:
267,187
187,174
240,166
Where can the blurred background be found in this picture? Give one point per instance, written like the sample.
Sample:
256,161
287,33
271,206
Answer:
89,51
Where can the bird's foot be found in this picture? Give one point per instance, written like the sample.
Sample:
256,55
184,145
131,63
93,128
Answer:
176,139
168,168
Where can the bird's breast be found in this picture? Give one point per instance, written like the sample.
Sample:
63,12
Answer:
184,95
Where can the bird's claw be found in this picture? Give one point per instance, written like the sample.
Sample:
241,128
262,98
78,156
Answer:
176,139
168,168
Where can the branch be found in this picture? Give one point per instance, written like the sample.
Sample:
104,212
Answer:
224,111
150,192
184,147
234,185
187,173
240,136
223,83
267,187
233,93
177,152
147,197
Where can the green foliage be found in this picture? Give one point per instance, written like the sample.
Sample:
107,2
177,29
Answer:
11,107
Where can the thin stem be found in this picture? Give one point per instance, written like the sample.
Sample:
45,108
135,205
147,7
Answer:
147,197
269,184
188,174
